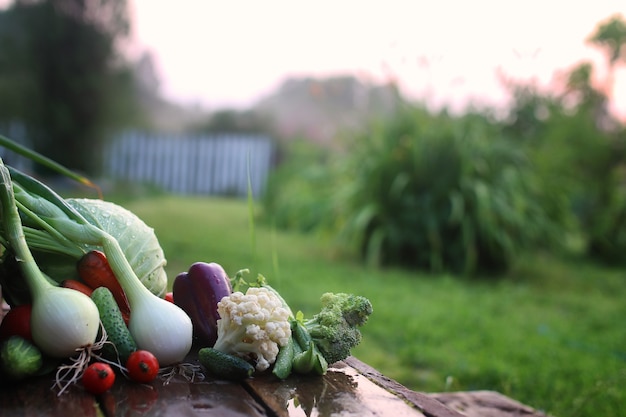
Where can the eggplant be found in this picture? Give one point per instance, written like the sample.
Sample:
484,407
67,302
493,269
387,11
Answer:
197,292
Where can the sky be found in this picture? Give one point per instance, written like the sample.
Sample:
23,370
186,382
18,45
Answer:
447,52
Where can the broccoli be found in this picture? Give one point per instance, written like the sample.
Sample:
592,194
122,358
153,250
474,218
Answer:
335,329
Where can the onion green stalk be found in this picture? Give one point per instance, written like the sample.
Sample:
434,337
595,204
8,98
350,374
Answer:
46,162
63,320
57,254
157,325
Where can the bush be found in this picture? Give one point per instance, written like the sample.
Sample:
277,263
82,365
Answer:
441,193
582,166
298,192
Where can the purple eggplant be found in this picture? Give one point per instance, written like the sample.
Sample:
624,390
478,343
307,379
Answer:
197,292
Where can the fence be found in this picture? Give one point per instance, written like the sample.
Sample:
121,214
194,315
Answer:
199,164
211,165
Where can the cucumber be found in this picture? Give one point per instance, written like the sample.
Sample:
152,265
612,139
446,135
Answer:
224,366
284,360
19,358
114,324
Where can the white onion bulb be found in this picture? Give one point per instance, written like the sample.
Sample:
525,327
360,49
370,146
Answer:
162,328
63,320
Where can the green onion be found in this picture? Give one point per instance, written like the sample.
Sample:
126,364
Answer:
63,320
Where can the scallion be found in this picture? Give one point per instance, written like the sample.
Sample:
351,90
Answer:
63,320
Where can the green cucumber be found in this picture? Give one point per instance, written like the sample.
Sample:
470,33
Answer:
19,358
284,360
113,323
224,366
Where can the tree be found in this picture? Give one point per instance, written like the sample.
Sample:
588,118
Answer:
234,121
61,75
611,36
607,221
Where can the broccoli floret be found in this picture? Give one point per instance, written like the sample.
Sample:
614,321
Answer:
335,329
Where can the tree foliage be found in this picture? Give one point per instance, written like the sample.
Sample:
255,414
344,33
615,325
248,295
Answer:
611,35
234,121
61,77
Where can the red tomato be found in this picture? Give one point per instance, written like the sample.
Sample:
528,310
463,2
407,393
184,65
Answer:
142,366
169,297
17,323
98,378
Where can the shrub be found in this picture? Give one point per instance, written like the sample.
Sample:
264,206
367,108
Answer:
440,193
298,192
582,165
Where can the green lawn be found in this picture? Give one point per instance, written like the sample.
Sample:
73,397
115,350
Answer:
551,334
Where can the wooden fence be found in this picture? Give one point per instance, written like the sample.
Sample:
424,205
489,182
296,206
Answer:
199,164
210,165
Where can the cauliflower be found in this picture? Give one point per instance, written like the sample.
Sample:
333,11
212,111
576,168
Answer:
253,326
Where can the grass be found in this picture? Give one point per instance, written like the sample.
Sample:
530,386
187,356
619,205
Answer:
550,335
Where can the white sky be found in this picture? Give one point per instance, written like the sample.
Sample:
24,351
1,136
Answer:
217,53
222,53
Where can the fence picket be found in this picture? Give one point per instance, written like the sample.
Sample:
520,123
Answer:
210,165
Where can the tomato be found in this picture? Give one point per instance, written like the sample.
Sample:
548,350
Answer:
142,366
98,378
169,297
17,323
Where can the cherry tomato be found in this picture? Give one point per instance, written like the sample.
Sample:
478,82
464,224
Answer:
142,366
169,297
17,323
98,378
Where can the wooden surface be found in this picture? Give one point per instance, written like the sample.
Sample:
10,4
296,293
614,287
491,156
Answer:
350,388
486,404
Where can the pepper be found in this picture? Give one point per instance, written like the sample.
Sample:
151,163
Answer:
78,286
197,292
95,271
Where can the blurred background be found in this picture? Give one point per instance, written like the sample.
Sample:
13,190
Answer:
468,154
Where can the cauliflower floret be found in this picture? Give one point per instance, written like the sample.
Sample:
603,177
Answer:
253,326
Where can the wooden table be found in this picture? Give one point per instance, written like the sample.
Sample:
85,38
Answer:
350,388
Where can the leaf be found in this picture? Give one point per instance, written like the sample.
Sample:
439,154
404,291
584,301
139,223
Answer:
374,253
47,162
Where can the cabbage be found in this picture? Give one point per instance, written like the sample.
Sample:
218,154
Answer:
137,240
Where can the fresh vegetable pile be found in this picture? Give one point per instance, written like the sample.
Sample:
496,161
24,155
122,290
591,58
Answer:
86,285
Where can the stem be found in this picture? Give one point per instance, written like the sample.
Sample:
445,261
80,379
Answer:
15,235
40,240
133,287
50,212
45,161
89,234
60,238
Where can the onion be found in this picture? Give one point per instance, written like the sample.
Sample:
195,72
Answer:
162,328
63,320
157,325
